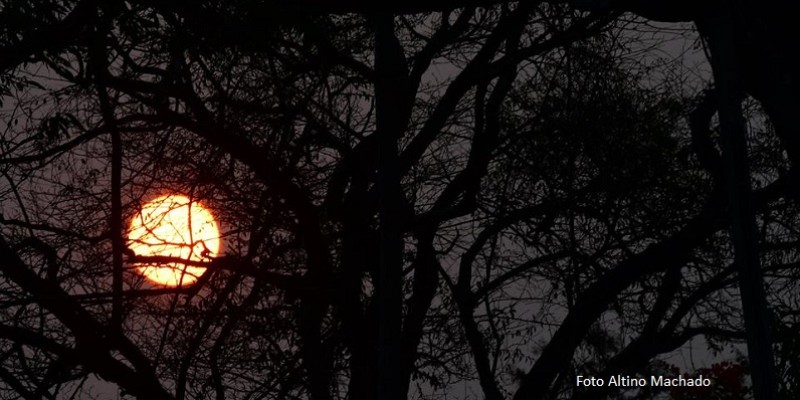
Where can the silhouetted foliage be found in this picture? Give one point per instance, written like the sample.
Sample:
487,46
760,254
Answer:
463,202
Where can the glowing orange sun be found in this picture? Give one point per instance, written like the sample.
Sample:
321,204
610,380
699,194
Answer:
173,226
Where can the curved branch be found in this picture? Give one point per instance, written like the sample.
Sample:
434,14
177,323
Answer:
95,342
53,37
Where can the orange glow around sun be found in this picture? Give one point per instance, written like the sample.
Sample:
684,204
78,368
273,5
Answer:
173,226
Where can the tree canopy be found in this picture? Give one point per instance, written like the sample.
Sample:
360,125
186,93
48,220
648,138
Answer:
470,199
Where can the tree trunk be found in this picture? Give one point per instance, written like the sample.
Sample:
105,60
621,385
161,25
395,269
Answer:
723,39
392,110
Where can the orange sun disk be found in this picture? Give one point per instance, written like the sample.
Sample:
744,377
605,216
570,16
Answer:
173,226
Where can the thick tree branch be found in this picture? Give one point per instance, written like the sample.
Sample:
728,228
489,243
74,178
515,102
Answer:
95,342
593,301
426,274
54,37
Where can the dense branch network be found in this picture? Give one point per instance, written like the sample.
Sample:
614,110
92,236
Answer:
414,197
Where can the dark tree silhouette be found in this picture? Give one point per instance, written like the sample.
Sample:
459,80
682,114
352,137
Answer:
414,197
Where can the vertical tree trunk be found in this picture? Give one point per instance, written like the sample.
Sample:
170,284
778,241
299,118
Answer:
391,115
727,76
99,66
